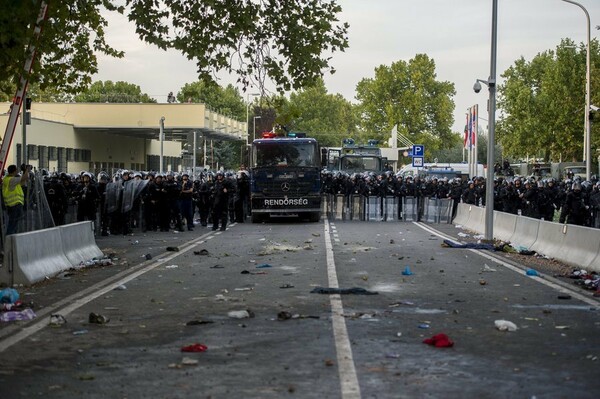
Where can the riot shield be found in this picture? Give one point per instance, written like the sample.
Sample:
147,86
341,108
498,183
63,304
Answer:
113,194
446,210
391,209
374,209
358,211
132,189
409,209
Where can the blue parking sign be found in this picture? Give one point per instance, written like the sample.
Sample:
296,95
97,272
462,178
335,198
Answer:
418,150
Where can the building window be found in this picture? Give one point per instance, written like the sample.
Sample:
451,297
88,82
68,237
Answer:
52,153
32,151
62,159
70,154
43,157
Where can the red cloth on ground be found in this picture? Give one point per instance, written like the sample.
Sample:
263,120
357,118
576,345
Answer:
194,348
439,341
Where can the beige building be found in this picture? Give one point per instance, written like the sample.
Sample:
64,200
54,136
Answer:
71,137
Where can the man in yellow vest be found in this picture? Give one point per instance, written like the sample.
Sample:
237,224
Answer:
14,199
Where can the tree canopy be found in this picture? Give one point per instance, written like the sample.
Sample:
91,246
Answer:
324,116
407,94
542,103
113,92
288,42
225,100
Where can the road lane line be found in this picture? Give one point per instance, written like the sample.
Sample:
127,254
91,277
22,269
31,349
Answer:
557,287
346,369
89,294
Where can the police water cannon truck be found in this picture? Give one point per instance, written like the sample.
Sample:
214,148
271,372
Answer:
285,178
354,158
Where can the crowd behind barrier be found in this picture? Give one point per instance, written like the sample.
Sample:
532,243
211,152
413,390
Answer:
388,196
138,201
151,201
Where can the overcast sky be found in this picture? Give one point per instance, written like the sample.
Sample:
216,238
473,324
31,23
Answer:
455,33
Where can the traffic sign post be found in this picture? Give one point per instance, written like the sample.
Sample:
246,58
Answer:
418,150
418,155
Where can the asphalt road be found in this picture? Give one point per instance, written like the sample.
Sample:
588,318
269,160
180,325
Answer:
333,346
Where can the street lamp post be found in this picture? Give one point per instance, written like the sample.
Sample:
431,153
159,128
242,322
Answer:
254,128
491,83
587,142
162,139
248,111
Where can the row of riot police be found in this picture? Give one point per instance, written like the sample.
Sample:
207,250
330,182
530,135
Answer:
148,201
572,201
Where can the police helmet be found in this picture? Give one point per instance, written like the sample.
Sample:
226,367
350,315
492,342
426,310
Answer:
576,186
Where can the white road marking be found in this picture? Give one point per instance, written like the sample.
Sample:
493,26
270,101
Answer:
346,369
546,282
77,300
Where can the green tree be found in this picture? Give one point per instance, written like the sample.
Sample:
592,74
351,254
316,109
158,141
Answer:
281,40
542,103
227,101
407,94
327,117
113,92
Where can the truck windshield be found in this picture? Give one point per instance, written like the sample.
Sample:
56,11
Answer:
358,163
285,155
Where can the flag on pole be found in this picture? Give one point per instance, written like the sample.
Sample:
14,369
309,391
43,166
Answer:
467,139
474,120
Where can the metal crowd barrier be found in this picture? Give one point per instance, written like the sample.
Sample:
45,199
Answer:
386,209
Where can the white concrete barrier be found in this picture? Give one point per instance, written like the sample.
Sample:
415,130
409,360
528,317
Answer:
526,230
504,225
574,245
462,214
581,247
551,237
78,242
30,257
476,221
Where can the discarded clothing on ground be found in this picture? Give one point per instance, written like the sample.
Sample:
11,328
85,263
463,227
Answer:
343,291
470,245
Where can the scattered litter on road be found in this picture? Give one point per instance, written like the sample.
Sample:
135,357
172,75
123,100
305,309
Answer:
439,341
479,236
198,322
64,275
316,234
329,363
194,348
487,269
562,327
217,267
407,272
482,282
391,240
202,252
396,304
532,272
463,235
135,242
244,289
120,287
147,256
470,245
423,326
342,291
286,286
173,249
392,355
186,361
80,332
13,315
505,325
171,267
87,377
239,314
283,315
96,318
57,320
398,334
564,296
9,295
263,266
